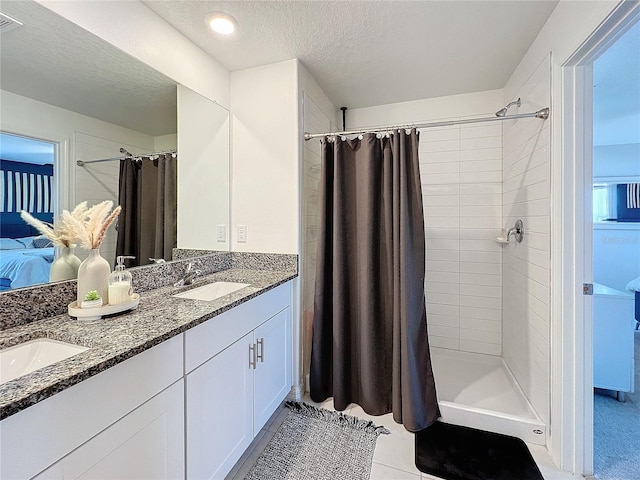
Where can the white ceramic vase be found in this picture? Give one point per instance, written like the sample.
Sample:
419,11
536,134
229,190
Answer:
65,266
93,274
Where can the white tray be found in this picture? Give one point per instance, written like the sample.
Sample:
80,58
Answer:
98,313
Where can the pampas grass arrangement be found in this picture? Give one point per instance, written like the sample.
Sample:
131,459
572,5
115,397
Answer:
84,225
61,234
89,225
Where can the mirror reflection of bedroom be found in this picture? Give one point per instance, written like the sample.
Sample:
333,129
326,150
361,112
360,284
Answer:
26,183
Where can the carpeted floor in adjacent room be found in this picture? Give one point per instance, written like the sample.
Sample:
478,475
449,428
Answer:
617,432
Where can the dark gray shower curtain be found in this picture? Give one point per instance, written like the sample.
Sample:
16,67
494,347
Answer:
370,343
147,225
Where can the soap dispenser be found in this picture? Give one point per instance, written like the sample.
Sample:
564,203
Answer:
120,283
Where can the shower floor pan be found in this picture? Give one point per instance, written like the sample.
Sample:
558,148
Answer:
479,391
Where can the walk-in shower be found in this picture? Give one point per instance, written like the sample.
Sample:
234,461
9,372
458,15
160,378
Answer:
479,391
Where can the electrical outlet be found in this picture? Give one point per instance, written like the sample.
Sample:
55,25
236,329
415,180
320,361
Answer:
242,233
221,233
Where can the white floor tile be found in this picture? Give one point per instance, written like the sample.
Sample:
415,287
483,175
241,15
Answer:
384,420
394,457
383,472
396,450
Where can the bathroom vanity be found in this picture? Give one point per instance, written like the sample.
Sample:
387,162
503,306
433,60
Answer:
176,389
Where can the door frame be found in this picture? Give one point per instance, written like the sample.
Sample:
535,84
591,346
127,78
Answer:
572,250
63,174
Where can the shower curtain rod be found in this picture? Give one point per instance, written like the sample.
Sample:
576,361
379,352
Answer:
543,114
82,163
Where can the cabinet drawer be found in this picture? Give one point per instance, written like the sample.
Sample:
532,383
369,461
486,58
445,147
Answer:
211,337
147,443
35,438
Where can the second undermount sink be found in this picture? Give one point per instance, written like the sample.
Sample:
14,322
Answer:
33,355
212,291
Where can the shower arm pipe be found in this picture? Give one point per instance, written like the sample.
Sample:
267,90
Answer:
82,163
542,114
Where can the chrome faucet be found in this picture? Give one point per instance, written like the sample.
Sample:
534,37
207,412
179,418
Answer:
189,275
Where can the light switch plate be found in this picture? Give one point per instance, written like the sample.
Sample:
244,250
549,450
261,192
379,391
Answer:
242,233
221,233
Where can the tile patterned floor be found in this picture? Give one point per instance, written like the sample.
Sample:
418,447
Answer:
394,455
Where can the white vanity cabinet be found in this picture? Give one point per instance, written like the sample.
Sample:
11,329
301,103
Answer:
126,422
238,372
219,382
146,443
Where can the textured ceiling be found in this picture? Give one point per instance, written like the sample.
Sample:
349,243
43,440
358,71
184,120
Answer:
54,61
365,53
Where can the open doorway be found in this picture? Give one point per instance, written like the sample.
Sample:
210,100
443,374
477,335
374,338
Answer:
27,182
615,232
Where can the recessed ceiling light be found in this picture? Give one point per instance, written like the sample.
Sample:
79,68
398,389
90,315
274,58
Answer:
221,23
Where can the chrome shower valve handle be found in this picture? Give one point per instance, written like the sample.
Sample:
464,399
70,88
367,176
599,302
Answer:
517,231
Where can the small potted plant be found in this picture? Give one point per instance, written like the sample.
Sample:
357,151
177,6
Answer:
92,300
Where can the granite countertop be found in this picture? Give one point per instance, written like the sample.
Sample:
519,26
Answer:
112,340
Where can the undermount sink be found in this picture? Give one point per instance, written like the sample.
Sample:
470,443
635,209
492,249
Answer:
33,355
212,291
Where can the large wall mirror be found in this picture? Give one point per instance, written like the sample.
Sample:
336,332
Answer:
69,97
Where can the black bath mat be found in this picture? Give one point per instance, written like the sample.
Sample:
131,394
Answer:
462,453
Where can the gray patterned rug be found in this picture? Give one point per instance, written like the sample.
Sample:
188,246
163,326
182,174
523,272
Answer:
316,444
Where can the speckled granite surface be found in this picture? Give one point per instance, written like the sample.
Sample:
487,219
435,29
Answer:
186,253
264,261
35,303
115,339
42,301
150,277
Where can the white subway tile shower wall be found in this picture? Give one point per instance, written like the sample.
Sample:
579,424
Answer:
97,182
461,175
526,266
314,121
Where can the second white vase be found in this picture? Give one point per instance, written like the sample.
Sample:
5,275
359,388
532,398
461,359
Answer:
65,266
93,274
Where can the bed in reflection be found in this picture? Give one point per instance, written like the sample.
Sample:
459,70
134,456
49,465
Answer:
25,256
23,262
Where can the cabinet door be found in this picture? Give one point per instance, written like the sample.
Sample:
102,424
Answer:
272,379
220,411
147,443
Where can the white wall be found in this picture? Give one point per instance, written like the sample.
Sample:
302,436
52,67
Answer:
616,161
203,170
265,170
460,170
526,190
165,142
140,32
